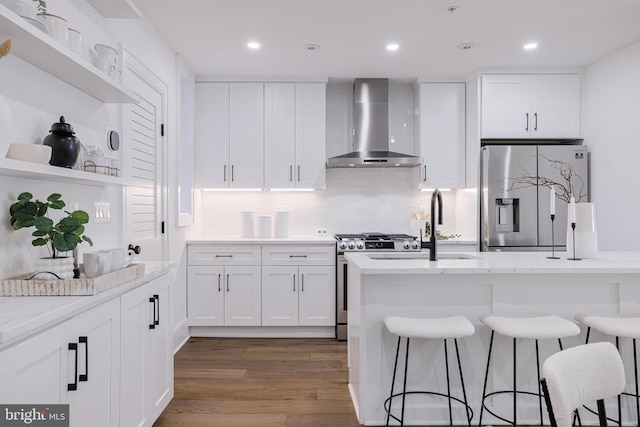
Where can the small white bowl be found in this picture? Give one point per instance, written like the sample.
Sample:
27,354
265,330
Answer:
34,153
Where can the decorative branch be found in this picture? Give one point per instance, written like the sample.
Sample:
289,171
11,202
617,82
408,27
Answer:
573,183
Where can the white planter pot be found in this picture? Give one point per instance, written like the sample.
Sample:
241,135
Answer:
586,232
62,267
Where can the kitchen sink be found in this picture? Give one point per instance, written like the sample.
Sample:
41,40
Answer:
420,255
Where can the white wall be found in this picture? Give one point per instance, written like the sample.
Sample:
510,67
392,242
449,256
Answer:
612,131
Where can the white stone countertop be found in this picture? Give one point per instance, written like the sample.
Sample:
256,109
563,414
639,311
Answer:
492,263
222,240
21,317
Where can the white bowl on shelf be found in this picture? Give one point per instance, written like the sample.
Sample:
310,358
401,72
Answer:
34,153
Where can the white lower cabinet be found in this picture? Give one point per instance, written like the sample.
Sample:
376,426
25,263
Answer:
298,296
223,295
146,356
75,363
261,285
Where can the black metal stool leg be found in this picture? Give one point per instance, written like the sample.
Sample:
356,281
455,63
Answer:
486,376
446,365
404,387
393,380
464,392
620,395
539,386
515,393
635,369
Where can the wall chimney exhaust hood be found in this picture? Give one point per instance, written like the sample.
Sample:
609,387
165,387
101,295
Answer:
371,121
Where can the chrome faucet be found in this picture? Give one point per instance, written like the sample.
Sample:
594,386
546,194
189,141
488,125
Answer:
432,245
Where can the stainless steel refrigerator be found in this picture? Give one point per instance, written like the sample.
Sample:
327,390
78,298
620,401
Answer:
515,194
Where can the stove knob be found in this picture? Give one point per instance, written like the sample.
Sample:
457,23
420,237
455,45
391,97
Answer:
360,244
415,244
352,245
406,244
342,245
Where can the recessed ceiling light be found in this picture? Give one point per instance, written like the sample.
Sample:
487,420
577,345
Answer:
466,46
393,46
253,45
530,46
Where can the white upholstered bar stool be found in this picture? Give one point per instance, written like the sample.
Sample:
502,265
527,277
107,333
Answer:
444,328
532,328
618,326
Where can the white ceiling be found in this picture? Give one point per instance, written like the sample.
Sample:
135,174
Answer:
211,35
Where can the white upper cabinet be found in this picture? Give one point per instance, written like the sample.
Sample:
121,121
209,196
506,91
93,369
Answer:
229,134
295,129
525,106
439,135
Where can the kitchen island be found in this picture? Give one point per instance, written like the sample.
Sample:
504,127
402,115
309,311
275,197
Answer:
471,284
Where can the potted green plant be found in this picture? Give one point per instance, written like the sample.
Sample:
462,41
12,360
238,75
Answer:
63,236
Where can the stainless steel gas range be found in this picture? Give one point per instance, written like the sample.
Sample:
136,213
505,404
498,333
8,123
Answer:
364,242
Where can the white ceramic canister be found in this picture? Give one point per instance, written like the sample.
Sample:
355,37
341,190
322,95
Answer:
264,226
248,224
281,224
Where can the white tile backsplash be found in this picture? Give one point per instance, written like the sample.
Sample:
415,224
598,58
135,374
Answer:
356,200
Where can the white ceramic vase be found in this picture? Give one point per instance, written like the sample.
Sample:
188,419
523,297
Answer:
62,267
586,233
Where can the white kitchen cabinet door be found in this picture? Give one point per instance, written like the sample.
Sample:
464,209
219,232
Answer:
280,285
96,401
42,370
242,296
160,360
505,106
310,155
555,103
522,106
317,296
146,358
246,135
205,295
440,134
212,168
35,371
279,135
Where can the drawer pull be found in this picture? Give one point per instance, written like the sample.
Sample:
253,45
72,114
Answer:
85,376
224,256
297,256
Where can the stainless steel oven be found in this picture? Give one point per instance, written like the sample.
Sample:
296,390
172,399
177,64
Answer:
365,242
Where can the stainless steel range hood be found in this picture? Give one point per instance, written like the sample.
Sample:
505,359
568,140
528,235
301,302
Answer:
371,121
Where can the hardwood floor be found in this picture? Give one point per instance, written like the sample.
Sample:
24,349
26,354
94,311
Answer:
238,382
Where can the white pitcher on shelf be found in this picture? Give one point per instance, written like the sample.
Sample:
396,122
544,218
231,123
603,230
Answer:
105,58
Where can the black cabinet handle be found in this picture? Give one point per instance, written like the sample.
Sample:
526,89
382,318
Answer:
219,282
227,283
85,341
536,122
152,325
232,175
297,256
527,128
224,173
425,173
74,386
157,298
302,283
290,173
294,283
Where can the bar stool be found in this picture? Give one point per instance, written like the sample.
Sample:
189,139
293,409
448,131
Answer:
618,326
532,328
440,328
